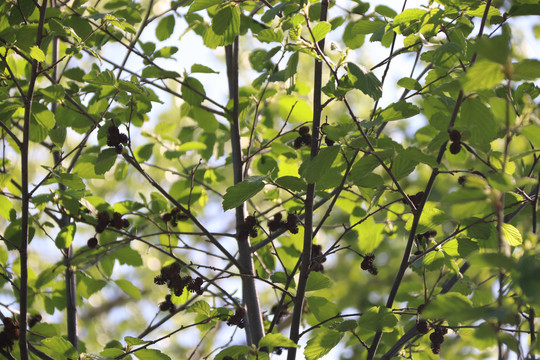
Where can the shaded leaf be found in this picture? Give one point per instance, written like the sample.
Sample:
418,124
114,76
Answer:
236,195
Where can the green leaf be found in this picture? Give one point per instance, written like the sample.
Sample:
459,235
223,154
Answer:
371,235
492,260
452,307
198,68
53,93
129,288
236,195
202,4
484,74
193,91
234,352
365,81
295,110
399,110
385,11
527,69
60,347
409,83
321,344
320,164
206,120
511,235
322,308
200,307
43,116
65,236
320,30
351,39
270,35
151,354
144,152
5,207
165,27
37,54
476,117
317,281
292,183
105,161
276,340
367,26
130,340
532,133
378,318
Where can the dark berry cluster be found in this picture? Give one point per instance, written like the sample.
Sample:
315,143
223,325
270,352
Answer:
10,334
317,258
303,139
34,319
174,216
104,220
279,312
367,264
461,180
92,243
248,228
167,305
420,238
277,223
170,276
437,338
422,326
238,318
115,138
416,198
455,138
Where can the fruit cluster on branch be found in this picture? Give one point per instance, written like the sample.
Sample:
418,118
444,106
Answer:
104,220
170,276
277,223
116,139
10,334
367,264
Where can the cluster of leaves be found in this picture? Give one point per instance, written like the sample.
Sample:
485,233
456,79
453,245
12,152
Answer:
382,184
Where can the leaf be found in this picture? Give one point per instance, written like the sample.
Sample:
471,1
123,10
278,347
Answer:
236,195
5,206
321,344
399,110
365,81
452,307
371,235
151,354
202,4
234,352
292,183
276,340
105,161
320,30
226,23
492,260
270,35
378,318
193,91
367,26
294,109
409,83
317,281
43,116
322,308
200,307
320,164
532,133
65,236
511,235
130,340
198,68
60,346
37,54
527,69
144,152
385,11
129,288
165,27
484,74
